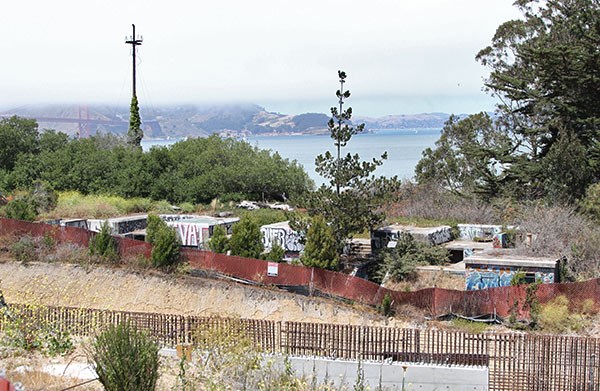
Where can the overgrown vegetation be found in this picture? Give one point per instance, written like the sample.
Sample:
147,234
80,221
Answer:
400,262
219,242
195,171
559,316
246,239
227,359
166,244
125,359
321,247
20,330
103,245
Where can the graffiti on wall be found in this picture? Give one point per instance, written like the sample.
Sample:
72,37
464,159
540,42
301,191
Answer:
381,237
283,236
471,231
119,226
190,234
484,277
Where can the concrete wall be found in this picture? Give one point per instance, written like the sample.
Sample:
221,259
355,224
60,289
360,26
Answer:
489,276
390,375
471,231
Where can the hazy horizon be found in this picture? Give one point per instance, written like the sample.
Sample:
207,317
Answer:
401,57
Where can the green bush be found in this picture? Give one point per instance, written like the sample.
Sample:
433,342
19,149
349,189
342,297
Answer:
246,239
219,242
556,317
165,242
104,245
125,359
386,305
24,250
276,254
21,209
22,329
166,247
400,262
321,246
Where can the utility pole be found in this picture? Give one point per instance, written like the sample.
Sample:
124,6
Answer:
134,41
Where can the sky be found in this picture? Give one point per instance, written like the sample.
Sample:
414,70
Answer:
401,56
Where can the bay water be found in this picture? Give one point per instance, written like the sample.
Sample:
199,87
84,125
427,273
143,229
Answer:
403,146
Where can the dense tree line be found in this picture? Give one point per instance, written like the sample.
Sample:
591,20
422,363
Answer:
196,170
544,140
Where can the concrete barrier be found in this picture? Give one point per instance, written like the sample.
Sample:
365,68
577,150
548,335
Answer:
390,376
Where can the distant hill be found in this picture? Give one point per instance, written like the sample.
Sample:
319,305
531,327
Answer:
199,121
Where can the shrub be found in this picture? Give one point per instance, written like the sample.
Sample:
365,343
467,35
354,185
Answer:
165,242
276,254
24,250
555,317
21,209
400,262
104,245
386,305
166,247
219,242
25,327
246,239
125,359
321,246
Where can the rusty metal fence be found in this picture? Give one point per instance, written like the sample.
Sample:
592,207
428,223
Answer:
515,361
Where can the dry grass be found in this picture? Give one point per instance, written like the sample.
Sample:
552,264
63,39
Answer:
37,380
429,279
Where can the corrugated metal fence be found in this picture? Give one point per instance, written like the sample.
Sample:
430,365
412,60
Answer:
503,301
515,361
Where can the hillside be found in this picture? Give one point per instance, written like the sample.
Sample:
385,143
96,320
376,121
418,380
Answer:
199,121
114,289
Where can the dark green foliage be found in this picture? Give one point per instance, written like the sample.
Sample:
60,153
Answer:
590,204
19,136
166,245
219,242
154,224
399,263
135,134
104,245
386,305
125,359
352,198
246,239
20,209
321,248
194,171
276,254
544,141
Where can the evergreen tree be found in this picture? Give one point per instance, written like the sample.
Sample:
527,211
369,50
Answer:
135,134
352,198
219,242
246,239
276,254
321,246
545,70
165,242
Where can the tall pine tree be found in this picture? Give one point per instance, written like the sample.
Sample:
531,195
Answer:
352,199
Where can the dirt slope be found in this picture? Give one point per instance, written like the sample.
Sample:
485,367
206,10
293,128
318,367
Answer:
73,285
